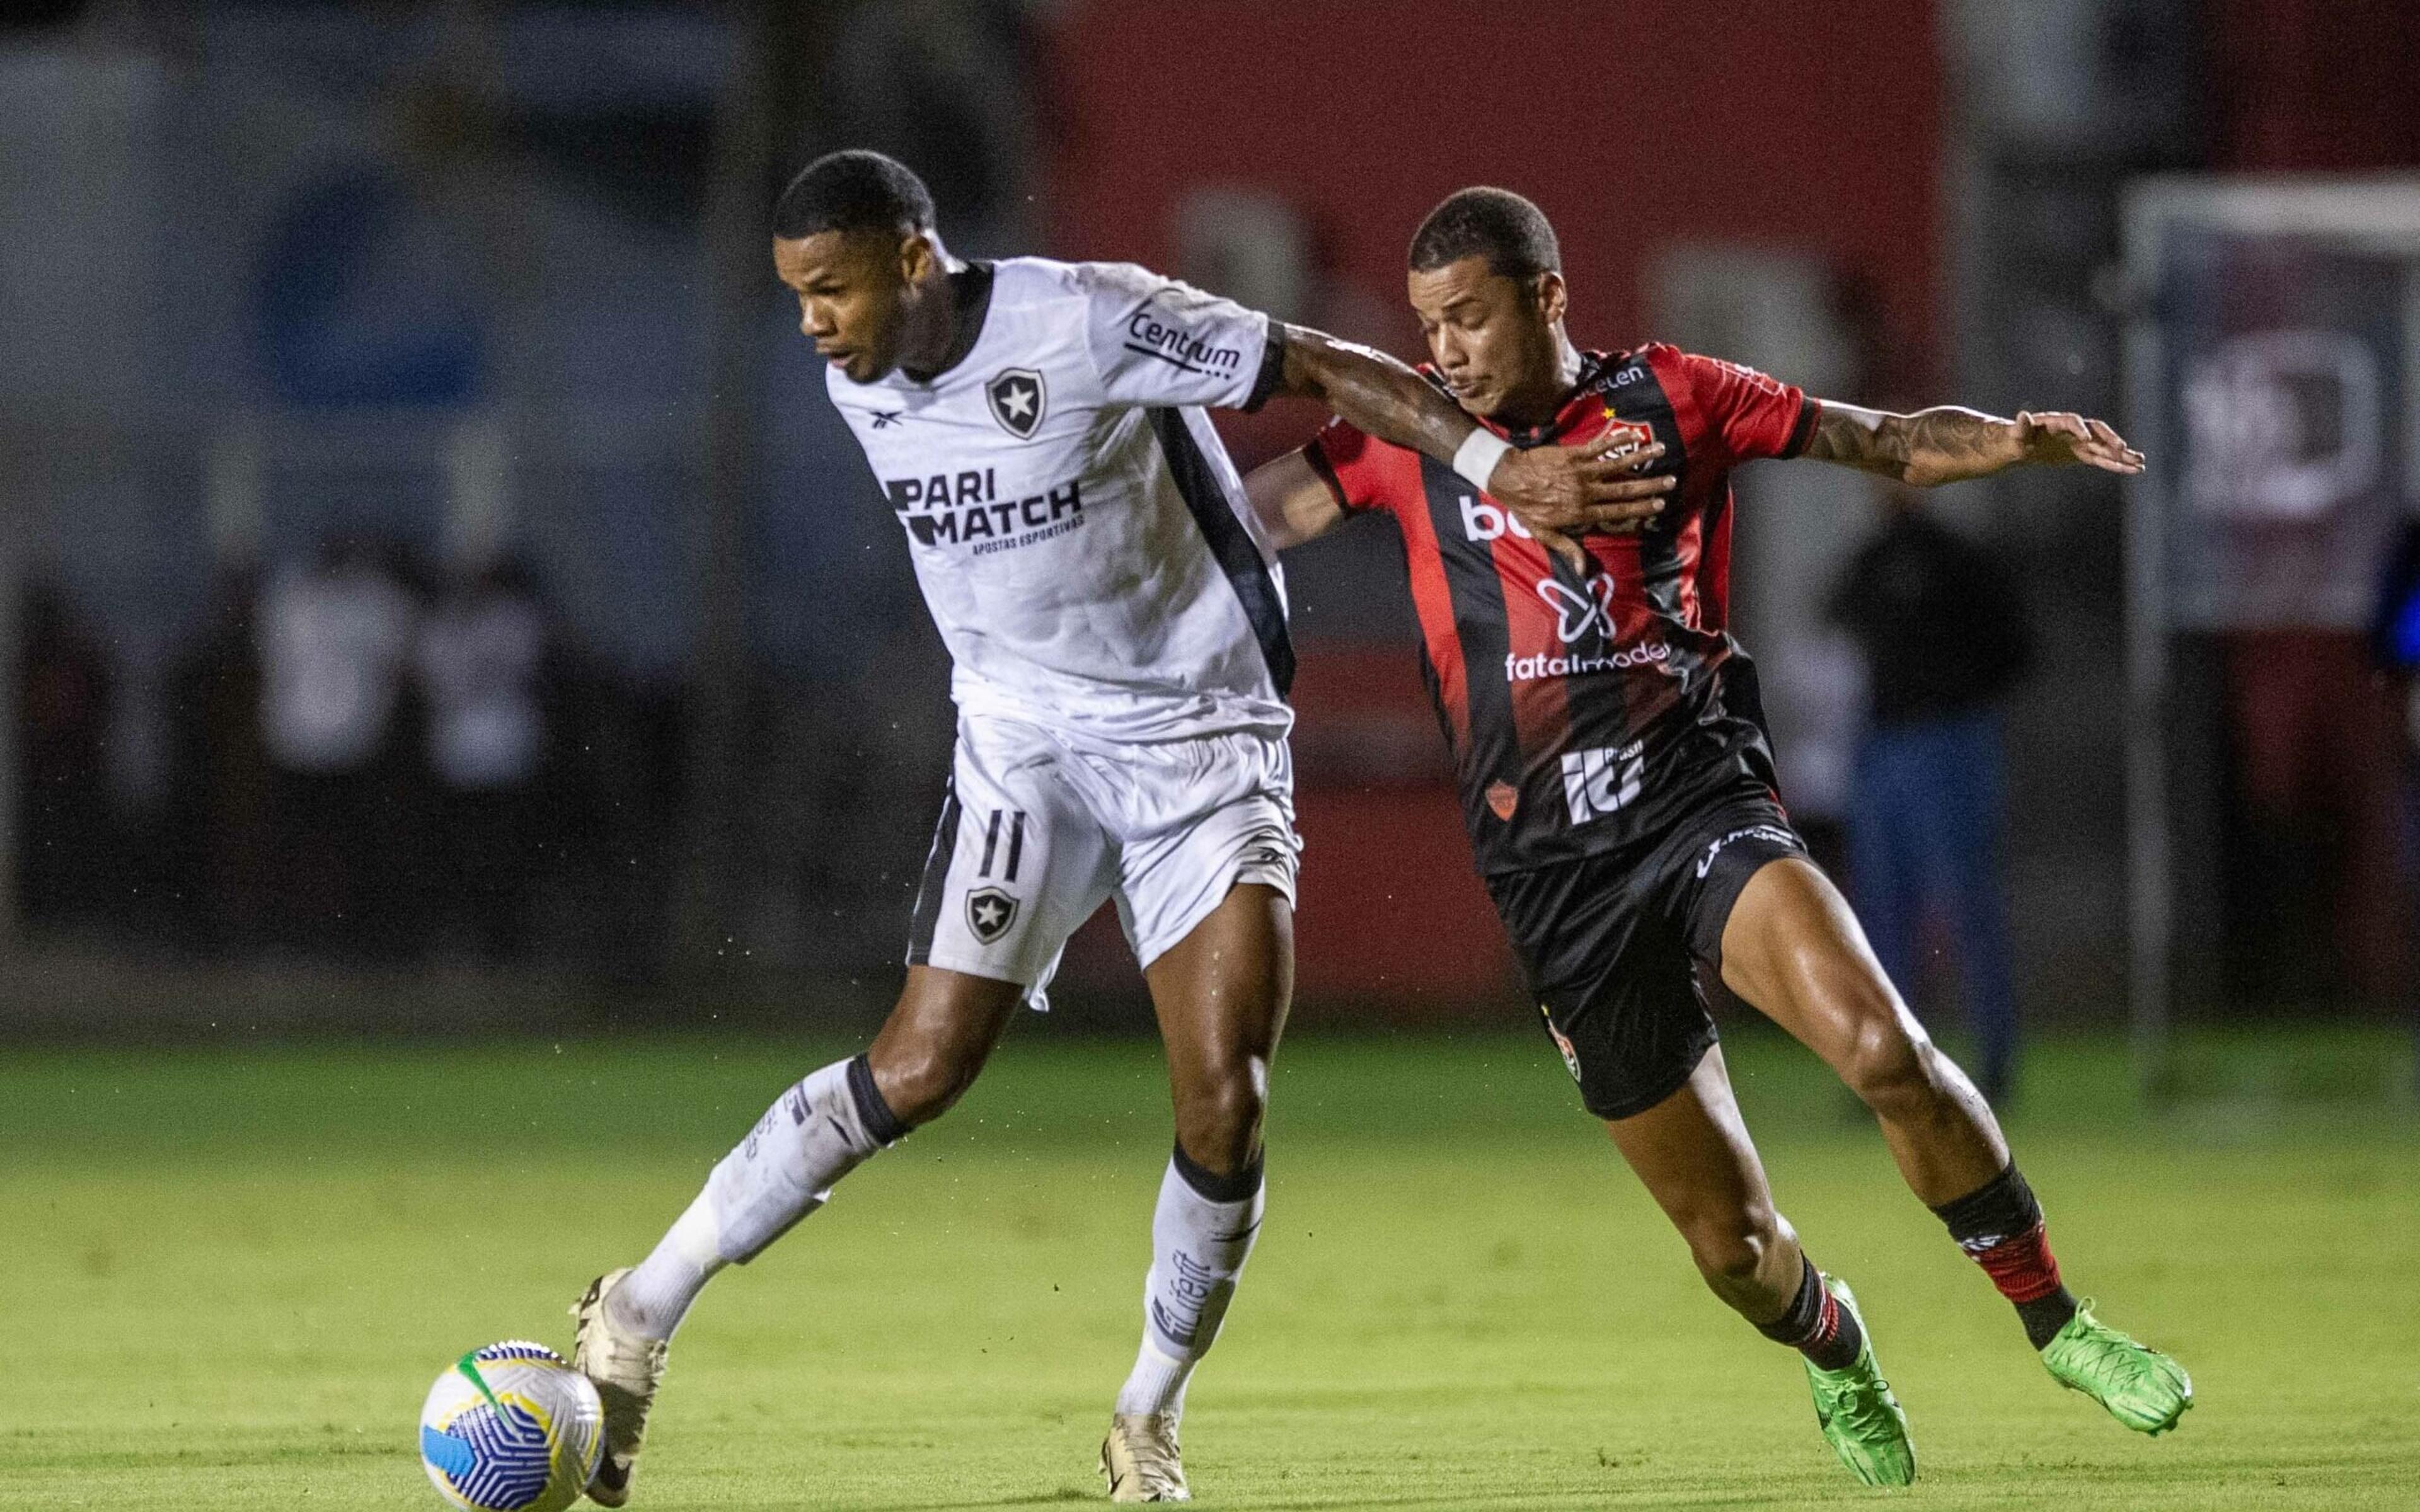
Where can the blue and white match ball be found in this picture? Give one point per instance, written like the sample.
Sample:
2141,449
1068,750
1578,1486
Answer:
511,1428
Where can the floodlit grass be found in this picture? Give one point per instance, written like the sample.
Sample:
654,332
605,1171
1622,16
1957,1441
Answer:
229,1275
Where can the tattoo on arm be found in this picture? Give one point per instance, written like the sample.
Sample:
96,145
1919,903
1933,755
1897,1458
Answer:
1373,391
1937,445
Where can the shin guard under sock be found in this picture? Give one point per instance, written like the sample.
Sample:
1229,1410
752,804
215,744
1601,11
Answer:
1999,1225
1201,1235
814,1133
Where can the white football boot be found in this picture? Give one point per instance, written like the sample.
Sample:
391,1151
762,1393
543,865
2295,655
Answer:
1140,1459
626,1369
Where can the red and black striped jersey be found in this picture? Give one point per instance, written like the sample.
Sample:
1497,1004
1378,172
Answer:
1586,710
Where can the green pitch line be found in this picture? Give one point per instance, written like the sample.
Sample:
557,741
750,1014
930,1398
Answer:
232,1275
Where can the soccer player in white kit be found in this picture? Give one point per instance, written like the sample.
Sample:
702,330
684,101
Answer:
1117,622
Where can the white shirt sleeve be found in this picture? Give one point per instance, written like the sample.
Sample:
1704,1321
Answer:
1154,340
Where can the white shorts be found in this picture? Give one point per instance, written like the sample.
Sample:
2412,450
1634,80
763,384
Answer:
1039,827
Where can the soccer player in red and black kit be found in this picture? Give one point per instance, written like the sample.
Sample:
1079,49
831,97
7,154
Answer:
1619,788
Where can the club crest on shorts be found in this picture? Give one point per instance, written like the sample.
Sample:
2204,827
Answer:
990,914
1502,797
1562,1043
1017,401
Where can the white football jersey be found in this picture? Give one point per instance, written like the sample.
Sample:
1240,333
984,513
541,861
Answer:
1082,540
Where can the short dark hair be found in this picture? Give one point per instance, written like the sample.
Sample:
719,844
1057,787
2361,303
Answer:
1494,223
852,190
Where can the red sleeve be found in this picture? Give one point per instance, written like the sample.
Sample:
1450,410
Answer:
1363,473
1747,413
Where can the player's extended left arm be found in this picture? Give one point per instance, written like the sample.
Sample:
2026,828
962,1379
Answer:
1559,491
1948,444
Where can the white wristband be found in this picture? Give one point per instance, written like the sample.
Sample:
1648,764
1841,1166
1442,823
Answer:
1477,454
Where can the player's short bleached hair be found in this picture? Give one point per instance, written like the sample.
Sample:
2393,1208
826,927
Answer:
853,191
1494,223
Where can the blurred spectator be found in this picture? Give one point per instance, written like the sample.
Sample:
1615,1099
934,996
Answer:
63,819
334,641
483,659
1944,635
218,772
2394,631
2394,642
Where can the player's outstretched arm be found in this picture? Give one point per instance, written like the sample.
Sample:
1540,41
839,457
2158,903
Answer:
1557,491
1948,444
1294,502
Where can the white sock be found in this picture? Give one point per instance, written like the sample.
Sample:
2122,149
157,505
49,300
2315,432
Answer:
1199,1244
813,1134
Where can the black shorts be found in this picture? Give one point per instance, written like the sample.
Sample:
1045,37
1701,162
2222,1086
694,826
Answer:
1613,944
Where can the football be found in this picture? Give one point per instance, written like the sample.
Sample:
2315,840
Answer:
511,1427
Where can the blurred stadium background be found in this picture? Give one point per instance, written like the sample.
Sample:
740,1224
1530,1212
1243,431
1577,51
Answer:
438,601
428,556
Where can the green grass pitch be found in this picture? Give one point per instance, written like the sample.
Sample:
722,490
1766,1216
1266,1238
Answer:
229,1275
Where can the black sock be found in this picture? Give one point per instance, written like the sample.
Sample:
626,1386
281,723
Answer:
1999,1225
1816,1325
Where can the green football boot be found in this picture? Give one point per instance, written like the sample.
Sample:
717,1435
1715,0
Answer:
2142,1388
1855,1408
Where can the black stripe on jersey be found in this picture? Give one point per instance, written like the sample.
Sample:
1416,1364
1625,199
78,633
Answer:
927,917
1480,622
1231,544
1659,570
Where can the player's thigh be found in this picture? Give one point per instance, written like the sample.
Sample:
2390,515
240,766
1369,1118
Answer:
1792,949
1693,1154
1221,993
1206,872
1018,861
1612,979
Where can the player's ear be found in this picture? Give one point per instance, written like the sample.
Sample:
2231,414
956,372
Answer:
918,256
1553,297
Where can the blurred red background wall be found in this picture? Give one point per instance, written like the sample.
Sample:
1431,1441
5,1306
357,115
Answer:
1675,120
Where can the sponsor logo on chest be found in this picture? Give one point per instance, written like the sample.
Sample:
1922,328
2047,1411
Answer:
965,508
1485,520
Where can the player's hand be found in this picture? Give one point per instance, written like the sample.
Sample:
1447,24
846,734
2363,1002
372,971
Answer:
1561,491
2054,438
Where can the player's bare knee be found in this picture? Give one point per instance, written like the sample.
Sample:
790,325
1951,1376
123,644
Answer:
1218,1119
1728,1244
1889,1068
921,1085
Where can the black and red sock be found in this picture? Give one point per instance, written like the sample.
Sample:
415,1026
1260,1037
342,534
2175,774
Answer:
1816,1325
1999,1225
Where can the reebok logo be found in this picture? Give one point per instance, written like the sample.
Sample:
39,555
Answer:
1597,782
